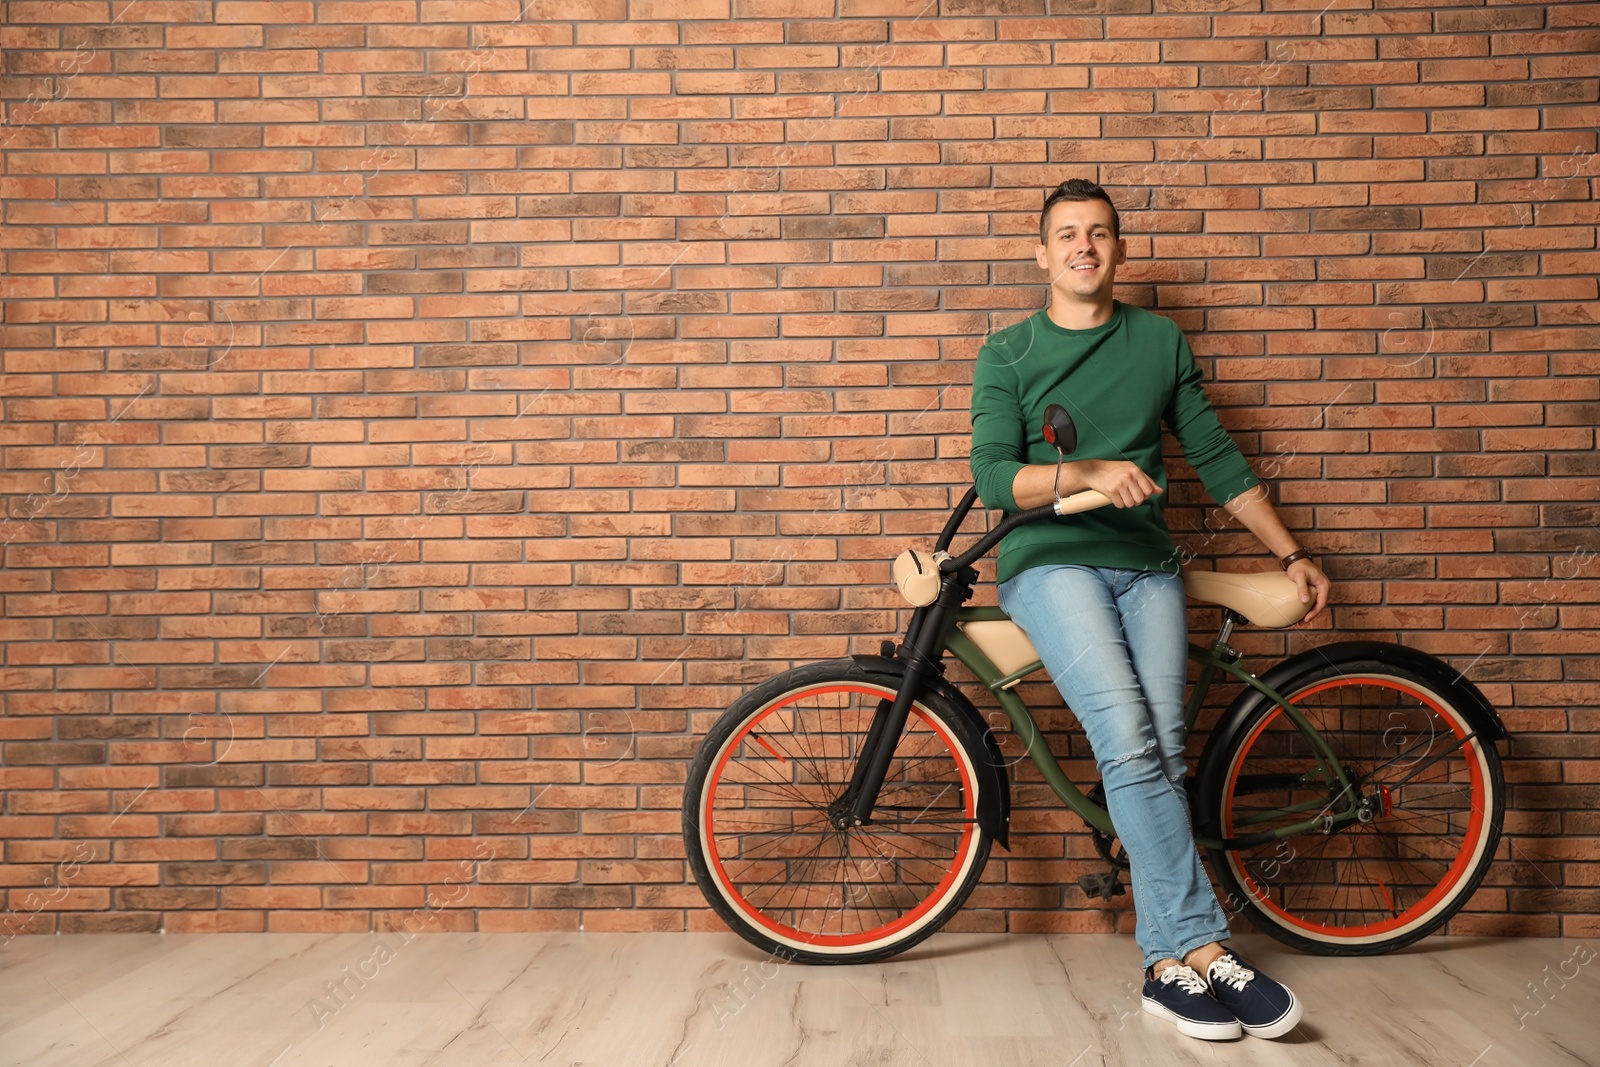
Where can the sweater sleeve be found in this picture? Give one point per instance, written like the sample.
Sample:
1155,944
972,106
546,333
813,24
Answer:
1222,467
997,432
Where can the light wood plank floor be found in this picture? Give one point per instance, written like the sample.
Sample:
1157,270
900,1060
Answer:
697,1000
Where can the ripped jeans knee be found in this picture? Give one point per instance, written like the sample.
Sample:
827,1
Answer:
1149,747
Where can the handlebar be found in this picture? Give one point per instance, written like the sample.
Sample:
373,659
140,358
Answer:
1060,431
1087,500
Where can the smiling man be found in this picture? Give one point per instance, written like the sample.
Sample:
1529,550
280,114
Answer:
1099,593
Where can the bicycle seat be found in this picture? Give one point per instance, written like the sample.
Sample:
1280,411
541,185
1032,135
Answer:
1265,598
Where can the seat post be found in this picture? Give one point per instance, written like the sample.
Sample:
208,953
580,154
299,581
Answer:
1220,647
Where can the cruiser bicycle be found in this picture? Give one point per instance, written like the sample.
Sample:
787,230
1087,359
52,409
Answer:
1349,800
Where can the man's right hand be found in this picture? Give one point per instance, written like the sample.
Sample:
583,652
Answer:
1122,482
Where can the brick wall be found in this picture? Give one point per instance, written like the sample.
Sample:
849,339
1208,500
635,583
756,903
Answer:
420,419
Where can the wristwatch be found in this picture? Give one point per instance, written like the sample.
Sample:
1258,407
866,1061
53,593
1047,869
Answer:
1299,553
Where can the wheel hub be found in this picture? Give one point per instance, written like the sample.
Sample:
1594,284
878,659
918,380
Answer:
839,816
1373,805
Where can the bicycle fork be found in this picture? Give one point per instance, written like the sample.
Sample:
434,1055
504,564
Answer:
883,737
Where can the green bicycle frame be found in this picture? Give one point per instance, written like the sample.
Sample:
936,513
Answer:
1219,657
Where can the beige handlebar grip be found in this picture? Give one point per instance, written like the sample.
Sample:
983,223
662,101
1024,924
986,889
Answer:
1087,500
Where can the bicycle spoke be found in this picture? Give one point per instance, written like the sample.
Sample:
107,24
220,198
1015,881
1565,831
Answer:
724,830
749,856
1423,883
809,762
1398,757
1459,742
797,885
780,789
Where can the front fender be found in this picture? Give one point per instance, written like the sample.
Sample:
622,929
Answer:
994,799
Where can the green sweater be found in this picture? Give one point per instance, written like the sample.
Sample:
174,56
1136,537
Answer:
1119,381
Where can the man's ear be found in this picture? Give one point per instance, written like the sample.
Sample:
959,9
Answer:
1039,253
1122,250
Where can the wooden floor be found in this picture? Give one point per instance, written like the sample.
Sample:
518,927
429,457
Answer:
619,1000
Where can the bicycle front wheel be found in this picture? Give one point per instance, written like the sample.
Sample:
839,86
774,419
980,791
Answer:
771,858
1436,799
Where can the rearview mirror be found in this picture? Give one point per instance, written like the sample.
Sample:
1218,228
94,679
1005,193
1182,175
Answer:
1060,430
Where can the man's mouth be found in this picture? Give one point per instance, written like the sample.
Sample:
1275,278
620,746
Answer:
1086,265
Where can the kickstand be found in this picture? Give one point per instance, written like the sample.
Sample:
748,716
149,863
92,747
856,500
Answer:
1105,885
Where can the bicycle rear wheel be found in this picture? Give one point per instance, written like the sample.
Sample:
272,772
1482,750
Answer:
1436,801
764,847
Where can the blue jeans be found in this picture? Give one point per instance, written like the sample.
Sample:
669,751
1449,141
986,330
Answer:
1116,643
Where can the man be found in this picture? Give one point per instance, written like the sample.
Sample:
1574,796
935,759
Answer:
1099,593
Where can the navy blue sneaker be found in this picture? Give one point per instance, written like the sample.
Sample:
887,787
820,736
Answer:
1181,995
1263,1007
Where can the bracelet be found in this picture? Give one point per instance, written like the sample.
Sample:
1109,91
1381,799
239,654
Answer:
1297,554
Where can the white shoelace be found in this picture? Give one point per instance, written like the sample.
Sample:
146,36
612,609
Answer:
1228,969
1185,976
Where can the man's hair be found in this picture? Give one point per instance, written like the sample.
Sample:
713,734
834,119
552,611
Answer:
1076,189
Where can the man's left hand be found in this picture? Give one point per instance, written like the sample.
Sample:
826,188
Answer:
1312,583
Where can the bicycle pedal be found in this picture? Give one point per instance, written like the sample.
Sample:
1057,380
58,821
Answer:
1105,885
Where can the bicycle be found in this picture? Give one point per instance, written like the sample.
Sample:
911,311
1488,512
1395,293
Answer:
842,812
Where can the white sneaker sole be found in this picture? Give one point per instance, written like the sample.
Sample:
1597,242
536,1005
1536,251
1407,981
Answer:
1283,1025
1194,1028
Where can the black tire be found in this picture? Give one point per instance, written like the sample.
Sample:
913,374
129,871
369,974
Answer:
1369,887
772,865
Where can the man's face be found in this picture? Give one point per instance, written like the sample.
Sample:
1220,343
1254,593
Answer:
1080,254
